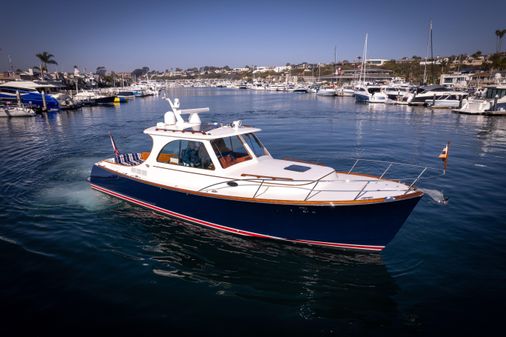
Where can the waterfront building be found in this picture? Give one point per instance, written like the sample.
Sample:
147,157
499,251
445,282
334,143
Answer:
456,79
376,62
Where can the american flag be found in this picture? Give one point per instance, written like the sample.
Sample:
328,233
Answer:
114,147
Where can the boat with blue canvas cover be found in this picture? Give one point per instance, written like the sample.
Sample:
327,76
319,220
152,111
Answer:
29,94
222,177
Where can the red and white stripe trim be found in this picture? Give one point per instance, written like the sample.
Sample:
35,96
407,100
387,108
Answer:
229,229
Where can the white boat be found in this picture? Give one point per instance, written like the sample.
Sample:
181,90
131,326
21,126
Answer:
301,89
474,107
326,91
494,102
222,177
16,111
370,94
397,93
435,93
258,86
365,93
445,102
276,87
345,91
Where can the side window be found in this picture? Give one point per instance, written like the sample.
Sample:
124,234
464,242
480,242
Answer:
186,153
230,151
170,153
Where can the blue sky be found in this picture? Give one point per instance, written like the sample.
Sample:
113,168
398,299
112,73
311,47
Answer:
123,35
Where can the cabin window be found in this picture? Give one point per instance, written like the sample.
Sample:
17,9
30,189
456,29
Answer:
230,151
255,145
186,153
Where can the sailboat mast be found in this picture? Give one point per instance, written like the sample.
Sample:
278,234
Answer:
364,59
429,46
426,57
431,55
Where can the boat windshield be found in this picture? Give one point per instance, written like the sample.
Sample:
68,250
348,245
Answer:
255,145
230,151
491,93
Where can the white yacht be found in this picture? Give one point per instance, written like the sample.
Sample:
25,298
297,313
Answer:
326,91
493,103
434,93
345,91
397,93
370,94
222,177
16,111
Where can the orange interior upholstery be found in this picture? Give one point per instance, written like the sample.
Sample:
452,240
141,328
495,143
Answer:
229,161
145,155
165,157
225,161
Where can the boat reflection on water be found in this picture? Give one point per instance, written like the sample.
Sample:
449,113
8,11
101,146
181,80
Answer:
304,283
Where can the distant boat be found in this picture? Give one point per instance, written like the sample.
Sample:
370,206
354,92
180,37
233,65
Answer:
447,102
365,93
92,98
126,93
370,94
435,93
299,89
345,91
494,103
326,92
29,93
16,111
396,92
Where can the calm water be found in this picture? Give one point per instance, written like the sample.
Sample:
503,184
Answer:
75,261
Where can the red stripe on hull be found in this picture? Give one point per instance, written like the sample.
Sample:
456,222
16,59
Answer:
232,230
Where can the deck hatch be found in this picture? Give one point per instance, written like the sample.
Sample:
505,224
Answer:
297,168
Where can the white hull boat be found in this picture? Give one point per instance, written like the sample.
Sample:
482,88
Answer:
16,111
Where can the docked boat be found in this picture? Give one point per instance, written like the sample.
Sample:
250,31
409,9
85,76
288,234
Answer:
370,94
16,111
496,95
126,94
432,93
326,91
300,89
345,91
93,98
397,93
258,86
223,177
493,103
30,94
445,102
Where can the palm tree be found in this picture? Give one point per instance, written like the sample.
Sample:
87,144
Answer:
499,34
45,59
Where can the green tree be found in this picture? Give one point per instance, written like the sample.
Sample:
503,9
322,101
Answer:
45,58
498,61
477,54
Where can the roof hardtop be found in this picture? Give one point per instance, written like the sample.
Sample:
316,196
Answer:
193,128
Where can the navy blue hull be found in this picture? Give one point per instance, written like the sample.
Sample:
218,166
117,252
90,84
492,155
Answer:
363,226
34,99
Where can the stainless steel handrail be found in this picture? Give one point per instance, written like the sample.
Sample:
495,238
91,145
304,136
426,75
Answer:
304,184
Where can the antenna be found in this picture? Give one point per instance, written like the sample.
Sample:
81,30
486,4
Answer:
174,117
